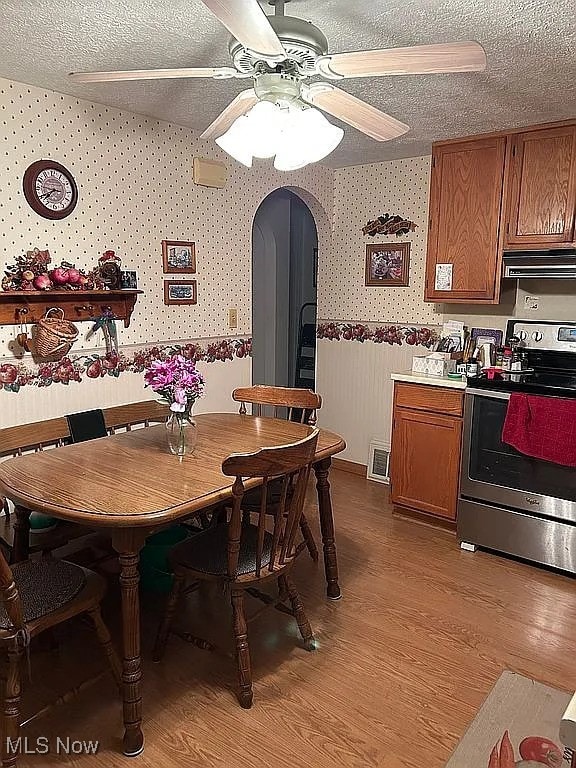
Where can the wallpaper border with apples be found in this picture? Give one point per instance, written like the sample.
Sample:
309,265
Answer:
73,368
379,334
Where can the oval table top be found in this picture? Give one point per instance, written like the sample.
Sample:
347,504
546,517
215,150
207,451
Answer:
131,479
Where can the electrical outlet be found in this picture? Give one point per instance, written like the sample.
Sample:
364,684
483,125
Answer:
531,302
233,317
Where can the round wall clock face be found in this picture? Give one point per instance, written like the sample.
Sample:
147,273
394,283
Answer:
50,189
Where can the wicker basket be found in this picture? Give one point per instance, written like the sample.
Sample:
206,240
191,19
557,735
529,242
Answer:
54,336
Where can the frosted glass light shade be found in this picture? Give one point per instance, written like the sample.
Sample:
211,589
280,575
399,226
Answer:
308,137
235,141
265,124
296,136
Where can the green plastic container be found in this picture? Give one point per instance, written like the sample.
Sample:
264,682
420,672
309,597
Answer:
40,522
155,575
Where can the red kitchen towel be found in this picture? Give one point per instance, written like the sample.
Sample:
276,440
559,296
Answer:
542,427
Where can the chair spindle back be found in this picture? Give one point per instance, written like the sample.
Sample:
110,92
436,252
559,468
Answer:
9,596
304,400
292,464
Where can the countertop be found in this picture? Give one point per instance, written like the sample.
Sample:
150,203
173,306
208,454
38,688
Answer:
433,381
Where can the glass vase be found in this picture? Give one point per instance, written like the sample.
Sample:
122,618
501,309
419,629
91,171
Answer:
182,433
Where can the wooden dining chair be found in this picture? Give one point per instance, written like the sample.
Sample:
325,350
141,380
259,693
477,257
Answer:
54,433
241,554
35,596
296,405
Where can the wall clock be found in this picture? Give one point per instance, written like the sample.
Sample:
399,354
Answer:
50,189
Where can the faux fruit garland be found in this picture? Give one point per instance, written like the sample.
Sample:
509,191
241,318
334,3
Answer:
388,334
32,273
69,369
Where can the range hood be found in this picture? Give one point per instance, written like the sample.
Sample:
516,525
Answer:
541,264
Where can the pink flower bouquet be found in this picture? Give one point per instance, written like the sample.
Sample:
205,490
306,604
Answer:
177,381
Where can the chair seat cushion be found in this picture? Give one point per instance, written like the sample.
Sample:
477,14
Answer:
208,551
44,586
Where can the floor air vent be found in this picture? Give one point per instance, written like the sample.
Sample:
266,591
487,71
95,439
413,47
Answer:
379,462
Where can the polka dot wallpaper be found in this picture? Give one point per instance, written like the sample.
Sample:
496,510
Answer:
134,176
361,194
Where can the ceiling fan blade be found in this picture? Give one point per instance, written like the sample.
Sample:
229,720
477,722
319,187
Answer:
248,23
152,74
354,111
241,104
466,56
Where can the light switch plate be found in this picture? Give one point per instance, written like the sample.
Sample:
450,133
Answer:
232,317
531,302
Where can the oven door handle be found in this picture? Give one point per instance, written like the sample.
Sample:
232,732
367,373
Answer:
488,393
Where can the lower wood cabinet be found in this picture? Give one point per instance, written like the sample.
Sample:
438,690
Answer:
426,442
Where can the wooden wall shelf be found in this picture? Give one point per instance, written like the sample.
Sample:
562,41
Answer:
29,306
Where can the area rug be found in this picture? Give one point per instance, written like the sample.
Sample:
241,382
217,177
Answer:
516,727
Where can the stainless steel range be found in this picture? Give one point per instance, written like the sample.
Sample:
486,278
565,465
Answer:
508,501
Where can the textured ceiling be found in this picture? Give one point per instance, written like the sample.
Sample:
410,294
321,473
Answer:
530,45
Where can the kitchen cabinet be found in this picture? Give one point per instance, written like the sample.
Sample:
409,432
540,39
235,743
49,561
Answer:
464,227
505,191
542,189
426,444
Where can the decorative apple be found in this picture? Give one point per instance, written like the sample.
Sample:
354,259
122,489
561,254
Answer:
59,276
8,373
73,276
42,282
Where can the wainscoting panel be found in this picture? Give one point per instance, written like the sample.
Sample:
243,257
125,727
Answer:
354,381
36,403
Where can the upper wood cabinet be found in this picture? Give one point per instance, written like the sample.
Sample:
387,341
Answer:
464,239
541,189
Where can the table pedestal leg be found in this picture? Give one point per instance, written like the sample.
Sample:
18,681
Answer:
322,469
21,535
128,544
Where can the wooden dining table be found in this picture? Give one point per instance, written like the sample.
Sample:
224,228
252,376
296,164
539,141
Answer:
129,485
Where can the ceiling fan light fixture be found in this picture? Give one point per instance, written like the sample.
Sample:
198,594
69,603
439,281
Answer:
235,141
308,138
266,122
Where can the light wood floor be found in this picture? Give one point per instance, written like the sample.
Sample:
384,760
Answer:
405,659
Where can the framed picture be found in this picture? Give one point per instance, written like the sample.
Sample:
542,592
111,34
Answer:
178,257
487,336
180,292
387,264
128,279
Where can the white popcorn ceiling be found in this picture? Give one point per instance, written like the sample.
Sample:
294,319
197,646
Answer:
134,176
530,44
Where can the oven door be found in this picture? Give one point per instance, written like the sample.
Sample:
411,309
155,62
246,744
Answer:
495,472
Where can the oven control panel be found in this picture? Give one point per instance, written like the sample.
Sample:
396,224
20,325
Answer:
541,334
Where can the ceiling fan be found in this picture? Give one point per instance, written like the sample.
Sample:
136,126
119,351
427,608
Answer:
281,53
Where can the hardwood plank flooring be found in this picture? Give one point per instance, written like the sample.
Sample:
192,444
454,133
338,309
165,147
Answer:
404,660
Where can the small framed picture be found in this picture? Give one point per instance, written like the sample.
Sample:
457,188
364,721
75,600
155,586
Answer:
178,257
387,264
180,292
128,279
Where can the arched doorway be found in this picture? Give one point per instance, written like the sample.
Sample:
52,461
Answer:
284,279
